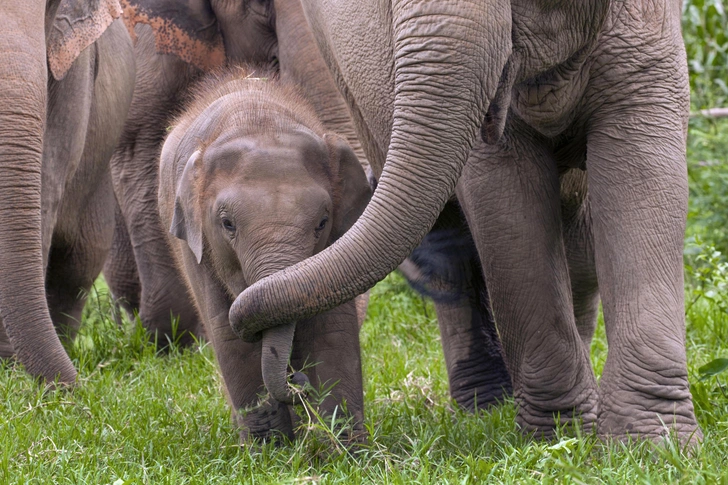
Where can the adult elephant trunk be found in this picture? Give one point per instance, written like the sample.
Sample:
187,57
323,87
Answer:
23,84
448,59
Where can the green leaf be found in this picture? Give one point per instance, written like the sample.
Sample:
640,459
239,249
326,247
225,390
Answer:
713,368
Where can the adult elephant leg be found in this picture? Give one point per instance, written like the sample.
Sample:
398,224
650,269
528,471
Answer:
579,244
78,251
475,367
639,192
120,268
331,342
446,267
85,216
160,82
510,195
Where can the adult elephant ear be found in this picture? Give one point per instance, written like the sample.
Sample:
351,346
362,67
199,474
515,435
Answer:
354,191
77,24
187,29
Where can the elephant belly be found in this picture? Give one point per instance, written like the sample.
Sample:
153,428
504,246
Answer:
549,102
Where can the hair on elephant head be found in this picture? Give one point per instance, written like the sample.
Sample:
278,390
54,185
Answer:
251,183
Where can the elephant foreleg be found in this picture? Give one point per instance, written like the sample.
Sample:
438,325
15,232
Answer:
240,364
510,195
638,188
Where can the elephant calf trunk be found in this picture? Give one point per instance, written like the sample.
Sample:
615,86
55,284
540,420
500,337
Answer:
277,343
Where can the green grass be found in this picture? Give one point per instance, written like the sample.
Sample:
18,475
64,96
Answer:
138,417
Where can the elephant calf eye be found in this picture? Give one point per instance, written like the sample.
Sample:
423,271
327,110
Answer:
228,225
322,224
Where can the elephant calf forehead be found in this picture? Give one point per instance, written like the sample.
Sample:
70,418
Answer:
268,156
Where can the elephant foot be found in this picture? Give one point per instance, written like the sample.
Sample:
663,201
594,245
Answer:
656,415
541,418
479,385
269,420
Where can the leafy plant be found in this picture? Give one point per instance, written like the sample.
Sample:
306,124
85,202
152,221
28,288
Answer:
708,274
705,25
713,368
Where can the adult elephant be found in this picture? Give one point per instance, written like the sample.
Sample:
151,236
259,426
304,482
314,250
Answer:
550,86
67,80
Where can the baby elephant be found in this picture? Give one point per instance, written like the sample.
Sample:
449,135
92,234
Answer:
250,183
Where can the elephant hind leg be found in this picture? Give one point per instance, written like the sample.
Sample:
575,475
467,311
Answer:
476,370
579,244
78,250
446,268
120,269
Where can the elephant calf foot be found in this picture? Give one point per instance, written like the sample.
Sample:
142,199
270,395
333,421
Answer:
542,417
655,413
269,420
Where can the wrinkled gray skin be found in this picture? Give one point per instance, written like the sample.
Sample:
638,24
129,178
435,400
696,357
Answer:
251,183
268,33
59,130
139,269
551,87
446,268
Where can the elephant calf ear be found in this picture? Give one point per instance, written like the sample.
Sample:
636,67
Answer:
77,25
354,189
187,29
187,220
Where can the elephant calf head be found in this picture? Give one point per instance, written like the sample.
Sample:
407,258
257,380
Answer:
250,184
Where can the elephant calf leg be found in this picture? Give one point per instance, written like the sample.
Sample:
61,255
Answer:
240,366
330,341
257,417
